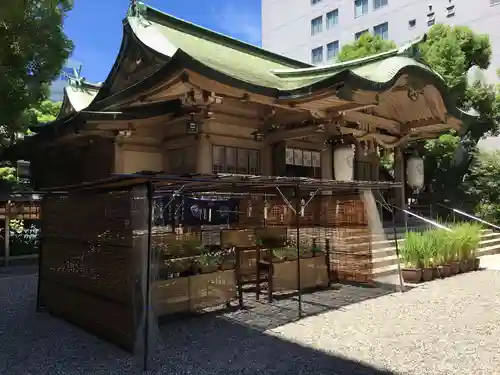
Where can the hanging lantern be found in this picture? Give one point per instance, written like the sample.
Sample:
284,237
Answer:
415,172
343,162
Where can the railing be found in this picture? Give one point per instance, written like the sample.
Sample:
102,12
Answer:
469,216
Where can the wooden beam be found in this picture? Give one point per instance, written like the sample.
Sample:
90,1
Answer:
285,134
380,122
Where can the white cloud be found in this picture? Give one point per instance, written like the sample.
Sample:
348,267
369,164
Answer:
238,21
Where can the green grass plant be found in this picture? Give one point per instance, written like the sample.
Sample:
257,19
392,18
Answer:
440,247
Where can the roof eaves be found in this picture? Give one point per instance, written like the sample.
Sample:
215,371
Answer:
335,68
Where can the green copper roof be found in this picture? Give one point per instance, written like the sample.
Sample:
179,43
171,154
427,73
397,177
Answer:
253,65
167,34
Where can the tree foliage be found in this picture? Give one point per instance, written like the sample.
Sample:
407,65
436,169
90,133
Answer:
33,49
483,185
451,51
366,45
44,112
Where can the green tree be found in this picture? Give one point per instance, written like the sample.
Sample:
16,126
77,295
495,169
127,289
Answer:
45,111
33,49
483,185
366,45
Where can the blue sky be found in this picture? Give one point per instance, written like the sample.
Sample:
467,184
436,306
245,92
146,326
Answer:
95,26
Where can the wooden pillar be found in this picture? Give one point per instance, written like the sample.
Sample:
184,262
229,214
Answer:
204,155
266,162
400,176
326,164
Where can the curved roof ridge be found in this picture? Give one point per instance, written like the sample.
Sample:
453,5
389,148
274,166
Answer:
403,50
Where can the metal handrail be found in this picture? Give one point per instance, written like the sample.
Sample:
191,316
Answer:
469,216
429,221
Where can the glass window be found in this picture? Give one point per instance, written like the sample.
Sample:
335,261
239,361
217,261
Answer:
332,18
450,11
218,163
314,2
317,55
234,160
231,159
382,30
242,161
360,8
431,18
253,162
412,23
379,3
302,163
317,25
358,34
494,2
332,50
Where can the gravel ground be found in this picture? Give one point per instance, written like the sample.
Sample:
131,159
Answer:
448,326
445,327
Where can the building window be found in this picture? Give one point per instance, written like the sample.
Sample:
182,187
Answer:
412,23
317,25
332,18
382,30
314,2
317,55
431,18
235,160
359,33
379,3
450,11
303,163
494,2
332,50
360,8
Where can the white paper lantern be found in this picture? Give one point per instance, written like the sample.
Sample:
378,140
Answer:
415,172
343,163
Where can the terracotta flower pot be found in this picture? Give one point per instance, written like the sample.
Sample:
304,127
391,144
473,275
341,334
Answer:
209,268
227,265
444,271
412,275
435,273
427,274
463,266
477,262
454,268
308,254
471,263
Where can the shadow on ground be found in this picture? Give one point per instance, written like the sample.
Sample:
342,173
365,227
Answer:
285,308
223,344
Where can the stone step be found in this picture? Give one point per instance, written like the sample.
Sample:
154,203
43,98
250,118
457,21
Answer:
385,260
388,243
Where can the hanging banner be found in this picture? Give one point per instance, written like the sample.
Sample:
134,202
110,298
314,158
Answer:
209,211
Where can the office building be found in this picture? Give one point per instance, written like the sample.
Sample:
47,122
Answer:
314,31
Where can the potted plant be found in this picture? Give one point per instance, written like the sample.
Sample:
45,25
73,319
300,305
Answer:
209,262
426,258
283,254
441,253
411,256
471,233
227,259
316,250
